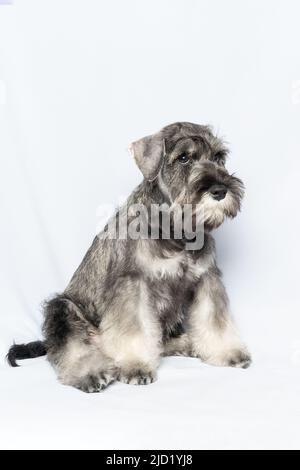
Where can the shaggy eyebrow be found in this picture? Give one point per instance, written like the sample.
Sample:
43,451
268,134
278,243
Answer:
175,152
222,152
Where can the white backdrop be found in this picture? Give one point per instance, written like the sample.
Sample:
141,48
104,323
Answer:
80,80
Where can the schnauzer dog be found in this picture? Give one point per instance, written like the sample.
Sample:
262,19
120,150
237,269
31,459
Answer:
135,299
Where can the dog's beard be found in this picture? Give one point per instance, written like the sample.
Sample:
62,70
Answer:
207,212
211,213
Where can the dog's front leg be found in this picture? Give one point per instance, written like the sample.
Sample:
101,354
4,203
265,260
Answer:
132,339
213,335
138,358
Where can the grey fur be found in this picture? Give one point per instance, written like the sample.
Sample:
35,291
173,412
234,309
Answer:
132,301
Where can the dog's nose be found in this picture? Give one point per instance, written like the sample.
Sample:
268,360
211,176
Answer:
218,191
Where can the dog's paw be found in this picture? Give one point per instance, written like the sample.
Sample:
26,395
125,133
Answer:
94,383
137,377
238,358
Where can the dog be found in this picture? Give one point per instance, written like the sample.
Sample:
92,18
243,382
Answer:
136,299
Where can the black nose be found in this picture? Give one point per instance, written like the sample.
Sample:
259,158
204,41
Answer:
218,191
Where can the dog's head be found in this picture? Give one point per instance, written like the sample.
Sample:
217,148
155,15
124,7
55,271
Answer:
188,163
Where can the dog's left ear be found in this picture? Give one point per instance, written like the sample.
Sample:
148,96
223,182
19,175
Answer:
148,153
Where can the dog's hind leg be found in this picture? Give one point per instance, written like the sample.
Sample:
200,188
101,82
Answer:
82,366
73,348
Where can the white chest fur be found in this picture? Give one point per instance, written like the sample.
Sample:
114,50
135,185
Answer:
159,266
173,266
196,269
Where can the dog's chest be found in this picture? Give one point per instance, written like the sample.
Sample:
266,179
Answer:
171,278
174,267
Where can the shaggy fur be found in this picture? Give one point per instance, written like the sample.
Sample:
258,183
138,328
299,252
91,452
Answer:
132,301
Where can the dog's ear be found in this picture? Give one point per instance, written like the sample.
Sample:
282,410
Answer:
148,153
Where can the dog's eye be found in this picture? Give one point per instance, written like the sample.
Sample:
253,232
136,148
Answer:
183,159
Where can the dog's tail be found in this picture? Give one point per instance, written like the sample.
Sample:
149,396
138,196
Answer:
25,351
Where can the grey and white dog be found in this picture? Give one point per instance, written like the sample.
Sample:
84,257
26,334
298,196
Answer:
132,301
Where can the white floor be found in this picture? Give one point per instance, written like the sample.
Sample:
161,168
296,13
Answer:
191,406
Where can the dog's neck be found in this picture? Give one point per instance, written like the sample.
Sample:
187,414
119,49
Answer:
152,193
149,193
